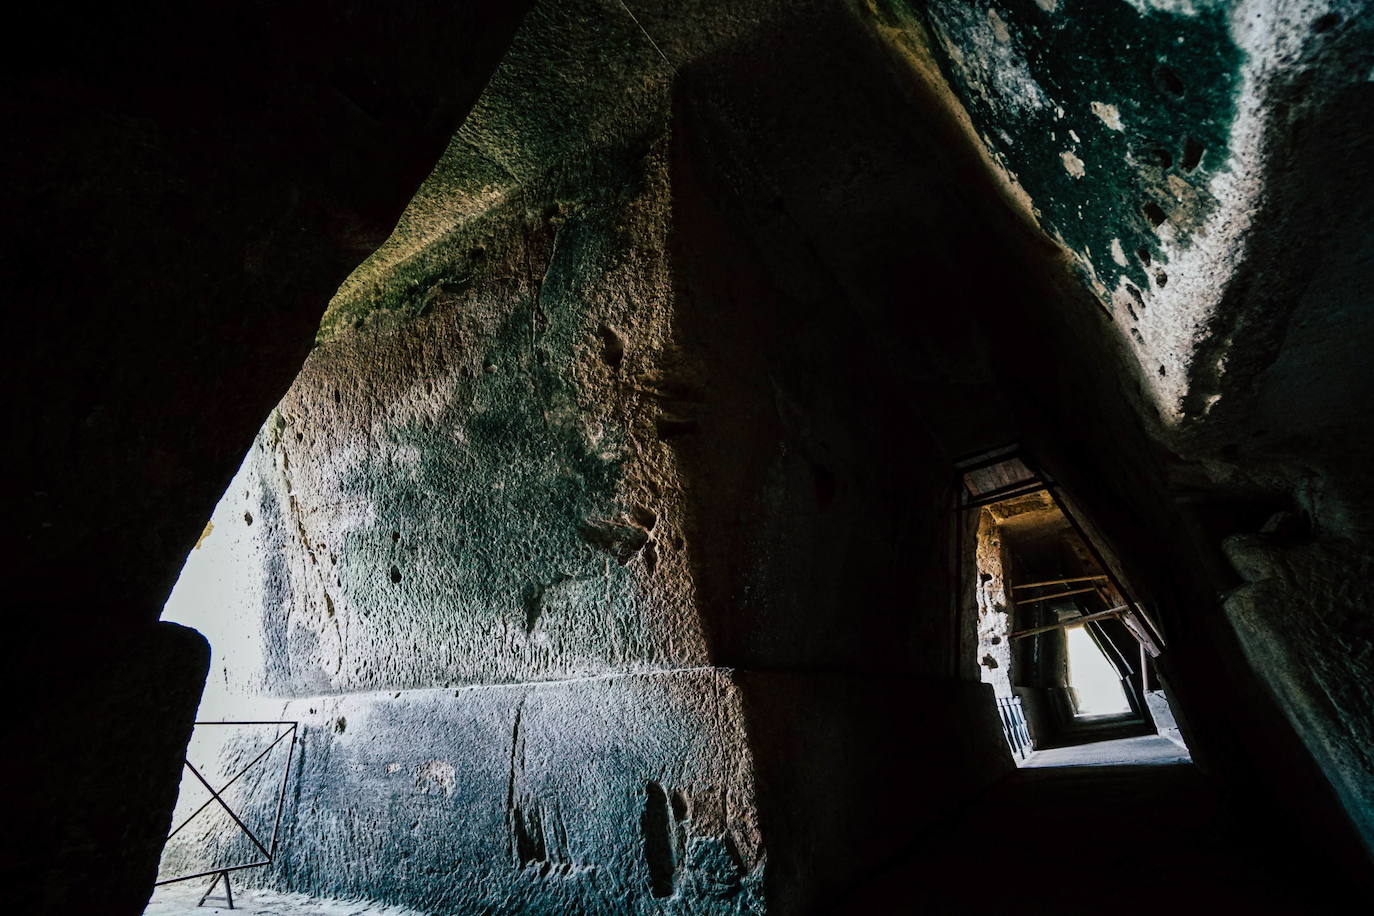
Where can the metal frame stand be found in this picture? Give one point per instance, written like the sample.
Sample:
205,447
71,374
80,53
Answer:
228,891
268,851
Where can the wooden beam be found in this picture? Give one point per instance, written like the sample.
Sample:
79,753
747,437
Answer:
1101,562
992,497
1076,591
1060,581
1100,615
1154,627
1140,631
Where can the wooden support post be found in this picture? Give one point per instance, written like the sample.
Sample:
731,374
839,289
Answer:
1140,631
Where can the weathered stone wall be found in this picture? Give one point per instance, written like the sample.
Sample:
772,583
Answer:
568,547
1214,209
606,794
447,493
642,420
186,187
994,607
1302,598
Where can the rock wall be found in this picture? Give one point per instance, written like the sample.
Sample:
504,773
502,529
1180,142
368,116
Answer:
98,762
188,186
1303,595
1212,209
567,547
994,607
629,455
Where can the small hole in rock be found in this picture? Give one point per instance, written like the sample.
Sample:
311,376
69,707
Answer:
671,427
1154,213
248,518
1162,158
395,574
612,347
1326,23
1162,371
1144,255
644,517
1170,81
1161,277
1192,154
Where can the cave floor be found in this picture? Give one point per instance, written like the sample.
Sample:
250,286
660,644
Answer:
1147,750
180,900
1071,838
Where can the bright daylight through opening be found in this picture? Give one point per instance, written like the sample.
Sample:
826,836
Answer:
1096,685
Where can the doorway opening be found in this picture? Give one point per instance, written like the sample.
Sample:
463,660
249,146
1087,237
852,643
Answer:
1094,684
1067,649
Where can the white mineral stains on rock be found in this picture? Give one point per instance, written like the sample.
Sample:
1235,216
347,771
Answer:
981,48
1118,255
1108,114
1072,164
1273,37
1177,7
1048,6
1075,137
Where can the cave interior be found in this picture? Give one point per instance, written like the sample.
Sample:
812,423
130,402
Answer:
576,456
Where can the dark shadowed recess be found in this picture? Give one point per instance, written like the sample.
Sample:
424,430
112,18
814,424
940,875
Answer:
903,316
814,221
1166,520
185,186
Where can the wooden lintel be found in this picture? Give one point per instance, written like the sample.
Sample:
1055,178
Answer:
1061,581
1075,591
1086,618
